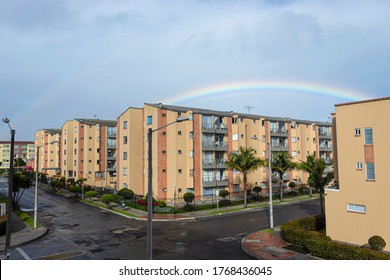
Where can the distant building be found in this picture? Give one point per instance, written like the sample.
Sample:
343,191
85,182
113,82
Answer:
357,209
88,150
190,156
48,141
22,149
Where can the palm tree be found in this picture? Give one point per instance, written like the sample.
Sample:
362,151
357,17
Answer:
281,163
245,161
319,176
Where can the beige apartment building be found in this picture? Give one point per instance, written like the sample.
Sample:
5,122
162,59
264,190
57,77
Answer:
88,150
358,208
190,156
22,149
48,141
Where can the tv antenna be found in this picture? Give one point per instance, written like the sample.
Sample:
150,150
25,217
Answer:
249,108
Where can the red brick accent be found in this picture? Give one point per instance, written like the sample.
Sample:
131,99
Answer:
267,140
162,161
144,135
45,152
80,152
118,154
368,153
197,155
317,142
230,150
103,149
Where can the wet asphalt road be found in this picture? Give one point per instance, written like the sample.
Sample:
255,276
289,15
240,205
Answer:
79,231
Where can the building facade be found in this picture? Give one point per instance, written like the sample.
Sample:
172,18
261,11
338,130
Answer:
88,150
22,149
357,208
190,156
48,141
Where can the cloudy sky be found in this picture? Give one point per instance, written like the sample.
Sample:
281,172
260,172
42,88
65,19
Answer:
68,59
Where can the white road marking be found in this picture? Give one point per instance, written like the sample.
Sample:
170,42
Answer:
23,253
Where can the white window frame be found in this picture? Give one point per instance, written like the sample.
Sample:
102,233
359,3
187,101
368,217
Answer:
359,165
357,208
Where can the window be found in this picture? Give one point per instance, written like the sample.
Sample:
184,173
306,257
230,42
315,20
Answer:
263,153
124,155
164,170
234,120
357,131
124,171
98,127
98,162
124,139
294,153
191,134
179,152
191,153
368,139
125,125
125,185
293,139
191,172
236,188
74,162
356,208
179,171
64,152
263,138
370,171
90,149
179,133
98,150
235,137
164,133
164,152
98,139
359,165
293,125
150,119
90,161
75,152
163,115
242,135
75,140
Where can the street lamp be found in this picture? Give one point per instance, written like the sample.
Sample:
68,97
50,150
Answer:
36,182
10,187
271,211
149,240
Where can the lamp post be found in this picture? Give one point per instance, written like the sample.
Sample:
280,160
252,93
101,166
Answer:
271,211
149,226
10,187
36,182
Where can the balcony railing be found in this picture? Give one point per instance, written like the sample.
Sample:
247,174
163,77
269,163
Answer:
213,163
279,147
215,145
325,148
323,134
111,145
214,128
212,181
279,132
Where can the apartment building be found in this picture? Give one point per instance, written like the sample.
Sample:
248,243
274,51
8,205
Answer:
22,149
357,208
88,150
48,141
190,156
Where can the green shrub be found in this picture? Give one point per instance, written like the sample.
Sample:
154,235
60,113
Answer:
223,193
304,233
188,197
107,199
292,185
224,202
126,193
76,190
377,243
162,203
91,194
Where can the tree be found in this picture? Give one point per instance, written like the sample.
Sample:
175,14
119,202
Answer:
281,163
22,181
19,162
107,199
319,176
245,161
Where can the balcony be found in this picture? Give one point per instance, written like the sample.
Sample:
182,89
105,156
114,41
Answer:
111,145
111,156
324,135
214,146
281,132
279,147
214,128
213,164
324,148
213,182
111,134
111,167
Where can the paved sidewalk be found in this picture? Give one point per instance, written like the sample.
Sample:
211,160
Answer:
259,245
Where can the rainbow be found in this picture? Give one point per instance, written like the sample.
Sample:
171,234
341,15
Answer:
264,87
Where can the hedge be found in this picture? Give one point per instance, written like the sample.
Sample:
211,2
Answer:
304,233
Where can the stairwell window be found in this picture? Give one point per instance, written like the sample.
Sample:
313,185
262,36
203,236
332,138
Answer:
368,137
357,131
356,208
370,171
150,119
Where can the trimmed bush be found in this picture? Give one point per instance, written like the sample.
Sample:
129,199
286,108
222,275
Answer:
223,193
162,203
292,185
91,194
303,233
107,199
188,197
377,243
76,190
224,202
126,193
